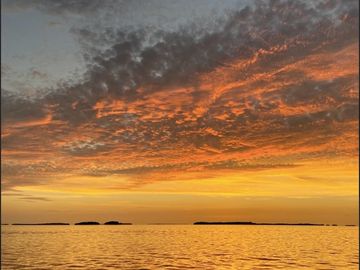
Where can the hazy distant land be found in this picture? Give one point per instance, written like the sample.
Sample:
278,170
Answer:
78,223
112,222
262,223
41,223
116,223
88,223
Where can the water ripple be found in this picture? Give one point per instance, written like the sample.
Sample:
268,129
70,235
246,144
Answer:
178,247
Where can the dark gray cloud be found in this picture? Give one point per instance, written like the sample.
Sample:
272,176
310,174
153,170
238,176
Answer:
178,58
15,108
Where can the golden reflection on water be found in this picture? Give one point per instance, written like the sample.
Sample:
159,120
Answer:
179,247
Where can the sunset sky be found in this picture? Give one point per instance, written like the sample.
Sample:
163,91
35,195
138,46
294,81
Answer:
179,111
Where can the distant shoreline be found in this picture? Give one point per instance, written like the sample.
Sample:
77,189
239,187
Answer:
261,223
91,223
62,223
40,224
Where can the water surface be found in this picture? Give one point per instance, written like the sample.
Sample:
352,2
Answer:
179,247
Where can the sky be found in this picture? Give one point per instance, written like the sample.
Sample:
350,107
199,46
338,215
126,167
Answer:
179,111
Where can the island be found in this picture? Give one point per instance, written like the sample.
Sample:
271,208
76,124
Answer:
37,224
87,223
253,223
116,223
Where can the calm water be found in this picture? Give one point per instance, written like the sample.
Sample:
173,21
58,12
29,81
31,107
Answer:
179,247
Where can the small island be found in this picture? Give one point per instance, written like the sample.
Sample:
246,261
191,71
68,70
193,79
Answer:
42,224
87,223
116,223
254,223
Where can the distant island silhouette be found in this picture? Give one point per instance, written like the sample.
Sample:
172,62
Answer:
116,223
253,223
87,223
112,222
56,223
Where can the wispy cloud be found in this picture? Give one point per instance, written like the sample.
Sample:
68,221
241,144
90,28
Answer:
33,198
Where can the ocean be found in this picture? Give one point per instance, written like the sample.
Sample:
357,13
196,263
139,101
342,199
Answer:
179,247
